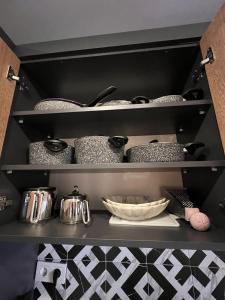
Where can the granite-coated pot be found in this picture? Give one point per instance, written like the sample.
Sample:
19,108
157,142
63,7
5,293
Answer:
56,104
99,149
164,152
51,152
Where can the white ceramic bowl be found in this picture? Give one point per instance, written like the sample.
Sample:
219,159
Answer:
136,212
132,201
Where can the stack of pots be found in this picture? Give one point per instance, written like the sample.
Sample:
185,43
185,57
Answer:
88,150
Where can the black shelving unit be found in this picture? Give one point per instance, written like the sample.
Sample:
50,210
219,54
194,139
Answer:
153,72
119,167
100,232
138,119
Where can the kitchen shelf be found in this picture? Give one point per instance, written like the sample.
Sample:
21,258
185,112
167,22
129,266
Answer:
118,167
100,232
139,119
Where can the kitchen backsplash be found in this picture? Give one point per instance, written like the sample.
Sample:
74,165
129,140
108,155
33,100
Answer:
102,272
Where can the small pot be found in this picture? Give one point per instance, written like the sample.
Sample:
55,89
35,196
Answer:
164,152
99,149
51,152
191,94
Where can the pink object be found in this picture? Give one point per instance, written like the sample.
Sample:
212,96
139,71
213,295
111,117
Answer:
189,212
199,221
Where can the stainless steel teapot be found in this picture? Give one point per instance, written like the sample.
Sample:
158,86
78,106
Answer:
74,208
38,204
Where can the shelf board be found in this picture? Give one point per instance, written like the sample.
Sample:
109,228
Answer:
138,119
119,167
100,232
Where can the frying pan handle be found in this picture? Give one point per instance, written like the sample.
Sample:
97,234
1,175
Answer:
106,92
137,100
55,145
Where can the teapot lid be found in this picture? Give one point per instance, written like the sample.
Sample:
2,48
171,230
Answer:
76,193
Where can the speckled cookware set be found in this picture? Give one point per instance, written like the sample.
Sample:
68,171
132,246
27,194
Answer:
105,149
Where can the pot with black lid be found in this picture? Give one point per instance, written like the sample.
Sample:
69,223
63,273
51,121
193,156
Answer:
74,208
99,149
166,152
51,152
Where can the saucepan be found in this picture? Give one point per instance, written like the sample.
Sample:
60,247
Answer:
166,152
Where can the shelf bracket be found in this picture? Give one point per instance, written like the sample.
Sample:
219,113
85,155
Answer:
20,80
200,71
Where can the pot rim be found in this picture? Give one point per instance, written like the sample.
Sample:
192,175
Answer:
58,99
158,143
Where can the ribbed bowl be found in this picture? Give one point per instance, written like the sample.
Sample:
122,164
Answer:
136,212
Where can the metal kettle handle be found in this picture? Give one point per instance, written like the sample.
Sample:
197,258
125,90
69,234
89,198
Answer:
85,206
34,208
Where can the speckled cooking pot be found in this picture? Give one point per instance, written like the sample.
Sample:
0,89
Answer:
56,104
156,152
51,152
99,149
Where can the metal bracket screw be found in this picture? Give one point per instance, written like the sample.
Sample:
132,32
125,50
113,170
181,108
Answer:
20,121
9,172
181,129
214,169
201,112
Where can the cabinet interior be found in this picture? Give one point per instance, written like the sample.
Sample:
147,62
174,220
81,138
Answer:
152,72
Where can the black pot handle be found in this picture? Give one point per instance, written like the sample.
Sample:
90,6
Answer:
137,100
118,141
197,150
55,145
193,94
153,141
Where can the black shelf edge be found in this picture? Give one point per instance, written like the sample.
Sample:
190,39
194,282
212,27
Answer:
138,119
119,167
100,232
113,108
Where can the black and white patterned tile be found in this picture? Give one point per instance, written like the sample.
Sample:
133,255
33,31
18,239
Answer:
47,291
80,252
209,284
207,258
126,281
170,282
175,257
52,252
86,280
115,273
126,254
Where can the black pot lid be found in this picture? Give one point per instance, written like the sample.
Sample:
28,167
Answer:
76,194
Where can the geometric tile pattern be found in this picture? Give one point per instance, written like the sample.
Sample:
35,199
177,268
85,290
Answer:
120,273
